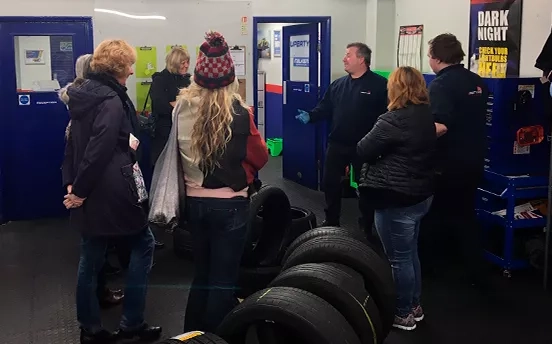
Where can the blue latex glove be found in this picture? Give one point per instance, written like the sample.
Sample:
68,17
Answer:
303,116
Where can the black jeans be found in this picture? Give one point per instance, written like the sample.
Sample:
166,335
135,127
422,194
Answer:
338,157
219,230
451,226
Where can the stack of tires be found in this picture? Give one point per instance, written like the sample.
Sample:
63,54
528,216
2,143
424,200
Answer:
333,289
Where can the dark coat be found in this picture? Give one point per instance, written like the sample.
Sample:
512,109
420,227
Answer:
100,163
165,87
399,152
544,60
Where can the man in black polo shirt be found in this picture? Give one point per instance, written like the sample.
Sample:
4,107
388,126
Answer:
458,100
352,103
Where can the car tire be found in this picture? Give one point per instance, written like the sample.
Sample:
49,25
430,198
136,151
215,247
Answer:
264,244
378,277
300,312
342,290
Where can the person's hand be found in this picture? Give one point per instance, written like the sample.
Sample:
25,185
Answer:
69,189
72,201
303,116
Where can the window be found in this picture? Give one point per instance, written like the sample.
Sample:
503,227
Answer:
43,63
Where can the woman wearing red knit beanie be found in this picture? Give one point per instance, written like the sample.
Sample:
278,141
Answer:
221,150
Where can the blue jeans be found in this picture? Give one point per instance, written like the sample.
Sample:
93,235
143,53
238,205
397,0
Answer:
398,229
219,229
92,259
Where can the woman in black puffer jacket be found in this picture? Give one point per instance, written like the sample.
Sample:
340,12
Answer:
397,181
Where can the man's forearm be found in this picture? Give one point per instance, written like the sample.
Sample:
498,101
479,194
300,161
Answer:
440,129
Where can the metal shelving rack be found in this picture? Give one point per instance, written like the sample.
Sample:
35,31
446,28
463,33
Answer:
512,189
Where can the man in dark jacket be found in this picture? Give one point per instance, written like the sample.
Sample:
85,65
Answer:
352,103
458,99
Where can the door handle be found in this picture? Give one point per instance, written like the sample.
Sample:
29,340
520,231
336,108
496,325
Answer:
284,91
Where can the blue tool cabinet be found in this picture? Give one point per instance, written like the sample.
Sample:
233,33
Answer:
515,103
502,192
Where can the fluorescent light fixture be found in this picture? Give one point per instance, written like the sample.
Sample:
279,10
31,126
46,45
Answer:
132,16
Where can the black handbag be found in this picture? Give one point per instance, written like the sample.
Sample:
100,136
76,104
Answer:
147,123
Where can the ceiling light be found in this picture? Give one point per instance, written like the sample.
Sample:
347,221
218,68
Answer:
132,16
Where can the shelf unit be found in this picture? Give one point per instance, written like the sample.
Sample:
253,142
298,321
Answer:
502,192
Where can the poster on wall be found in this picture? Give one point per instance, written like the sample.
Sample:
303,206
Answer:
263,43
495,38
409,46
146,63
277,43
34,57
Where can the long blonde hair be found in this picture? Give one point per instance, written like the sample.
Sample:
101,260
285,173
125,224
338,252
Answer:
212,129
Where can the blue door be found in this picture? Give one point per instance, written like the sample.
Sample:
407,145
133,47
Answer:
300,83
37,56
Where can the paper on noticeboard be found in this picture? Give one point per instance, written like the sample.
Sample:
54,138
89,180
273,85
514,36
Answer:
238,56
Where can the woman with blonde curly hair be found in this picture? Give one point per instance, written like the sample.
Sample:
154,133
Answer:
397,180
104,198
221,151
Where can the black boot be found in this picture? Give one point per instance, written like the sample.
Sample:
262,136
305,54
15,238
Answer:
101,337
143,333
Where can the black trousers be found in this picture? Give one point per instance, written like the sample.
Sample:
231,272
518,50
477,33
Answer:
123,252
338,157
451,231
366,205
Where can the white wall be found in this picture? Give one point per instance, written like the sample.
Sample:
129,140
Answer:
536,23
27,75
386,43
47,8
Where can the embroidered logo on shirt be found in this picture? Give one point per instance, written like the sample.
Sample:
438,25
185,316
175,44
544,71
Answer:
478,91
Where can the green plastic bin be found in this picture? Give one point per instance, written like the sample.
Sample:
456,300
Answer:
274,146
352,182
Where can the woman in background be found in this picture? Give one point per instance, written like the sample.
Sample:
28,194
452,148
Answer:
104,198
397,179
221,151
164,89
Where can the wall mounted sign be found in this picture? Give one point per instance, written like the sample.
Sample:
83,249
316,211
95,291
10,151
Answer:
24,99
277,43
34,57
409,46
495,37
